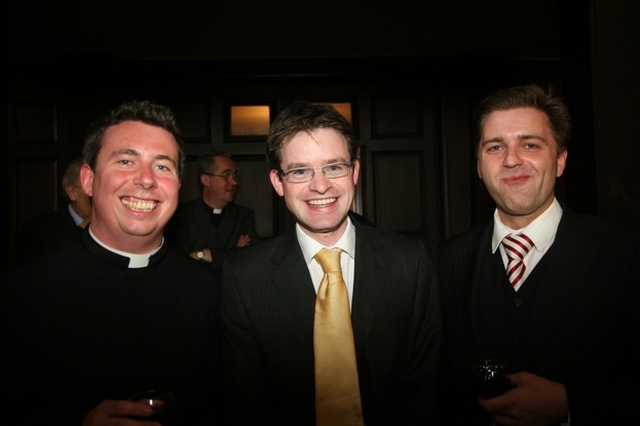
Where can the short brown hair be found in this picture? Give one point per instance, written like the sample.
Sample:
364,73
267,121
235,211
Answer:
531,96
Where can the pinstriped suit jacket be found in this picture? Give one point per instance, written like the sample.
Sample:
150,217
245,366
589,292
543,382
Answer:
584,324
268,308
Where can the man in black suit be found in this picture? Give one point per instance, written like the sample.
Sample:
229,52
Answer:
55,229
269,291
568,325
212,227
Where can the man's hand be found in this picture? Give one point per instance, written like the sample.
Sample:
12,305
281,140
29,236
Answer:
535,401
120,413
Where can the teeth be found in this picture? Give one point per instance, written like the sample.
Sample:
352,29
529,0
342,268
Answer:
139,206
321,202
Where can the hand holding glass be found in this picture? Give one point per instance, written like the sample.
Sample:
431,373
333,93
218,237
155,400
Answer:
490,377
161,401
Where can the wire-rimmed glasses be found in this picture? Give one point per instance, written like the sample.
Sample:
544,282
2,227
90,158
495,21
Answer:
306,174
227,176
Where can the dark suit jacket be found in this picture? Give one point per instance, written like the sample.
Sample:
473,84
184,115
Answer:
583,325
268,309
190,229
47,233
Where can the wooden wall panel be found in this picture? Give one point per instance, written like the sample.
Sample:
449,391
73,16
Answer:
37,188
398,191
255,191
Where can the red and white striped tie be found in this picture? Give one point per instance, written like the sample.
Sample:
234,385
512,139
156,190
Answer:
516,247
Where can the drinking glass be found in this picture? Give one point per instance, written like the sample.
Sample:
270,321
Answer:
490,379
162,413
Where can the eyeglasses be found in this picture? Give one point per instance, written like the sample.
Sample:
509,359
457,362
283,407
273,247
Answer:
227,176
305,174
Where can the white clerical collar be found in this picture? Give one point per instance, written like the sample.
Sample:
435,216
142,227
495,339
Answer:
135,260
217,211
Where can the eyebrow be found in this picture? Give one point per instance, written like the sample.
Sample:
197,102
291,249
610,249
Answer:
305,165
135,153
522,137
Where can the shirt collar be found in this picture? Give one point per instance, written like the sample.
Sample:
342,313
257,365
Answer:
76,217
310,247
541,231
135,260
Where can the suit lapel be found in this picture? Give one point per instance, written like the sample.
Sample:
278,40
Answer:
291,278
202,224
371,275
476,252
227,227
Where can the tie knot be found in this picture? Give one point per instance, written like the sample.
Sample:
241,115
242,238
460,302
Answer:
517,245
329,259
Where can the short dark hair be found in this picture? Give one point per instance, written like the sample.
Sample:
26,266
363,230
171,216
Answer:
134,110
305,116
531,96
208,160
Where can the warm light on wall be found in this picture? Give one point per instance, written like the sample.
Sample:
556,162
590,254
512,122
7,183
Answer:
251,120
343,108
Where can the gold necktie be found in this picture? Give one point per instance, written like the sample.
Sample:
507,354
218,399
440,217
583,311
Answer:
337,389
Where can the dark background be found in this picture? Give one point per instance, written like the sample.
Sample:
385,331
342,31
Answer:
68,51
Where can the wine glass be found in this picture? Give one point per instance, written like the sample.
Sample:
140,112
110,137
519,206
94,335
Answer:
163,412
490,379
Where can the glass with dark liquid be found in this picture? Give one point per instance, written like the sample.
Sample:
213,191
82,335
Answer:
490,377
490,380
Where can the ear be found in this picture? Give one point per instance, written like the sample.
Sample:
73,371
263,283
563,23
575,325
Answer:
71,193
478,168
204,180
562,162
86,179
276,182
356,171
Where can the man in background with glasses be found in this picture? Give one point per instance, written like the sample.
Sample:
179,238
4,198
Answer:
212,227
269,295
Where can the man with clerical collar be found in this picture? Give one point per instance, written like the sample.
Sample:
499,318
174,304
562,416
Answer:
212,227
118,312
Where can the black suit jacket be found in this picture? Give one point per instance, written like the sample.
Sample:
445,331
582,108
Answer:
46,233
190,229
583,325
268,309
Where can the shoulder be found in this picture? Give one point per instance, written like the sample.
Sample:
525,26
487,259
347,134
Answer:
397,248
53,218
458,244
240,210
188,206
606,230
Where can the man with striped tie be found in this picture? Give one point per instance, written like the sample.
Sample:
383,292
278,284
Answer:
550,291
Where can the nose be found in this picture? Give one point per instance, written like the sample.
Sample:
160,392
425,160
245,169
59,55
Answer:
512,157
319,182
145,177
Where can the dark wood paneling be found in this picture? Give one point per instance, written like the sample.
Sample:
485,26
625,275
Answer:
37,188
399,191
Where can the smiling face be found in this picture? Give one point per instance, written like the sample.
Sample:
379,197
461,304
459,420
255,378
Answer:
518,160
134,186
320,205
